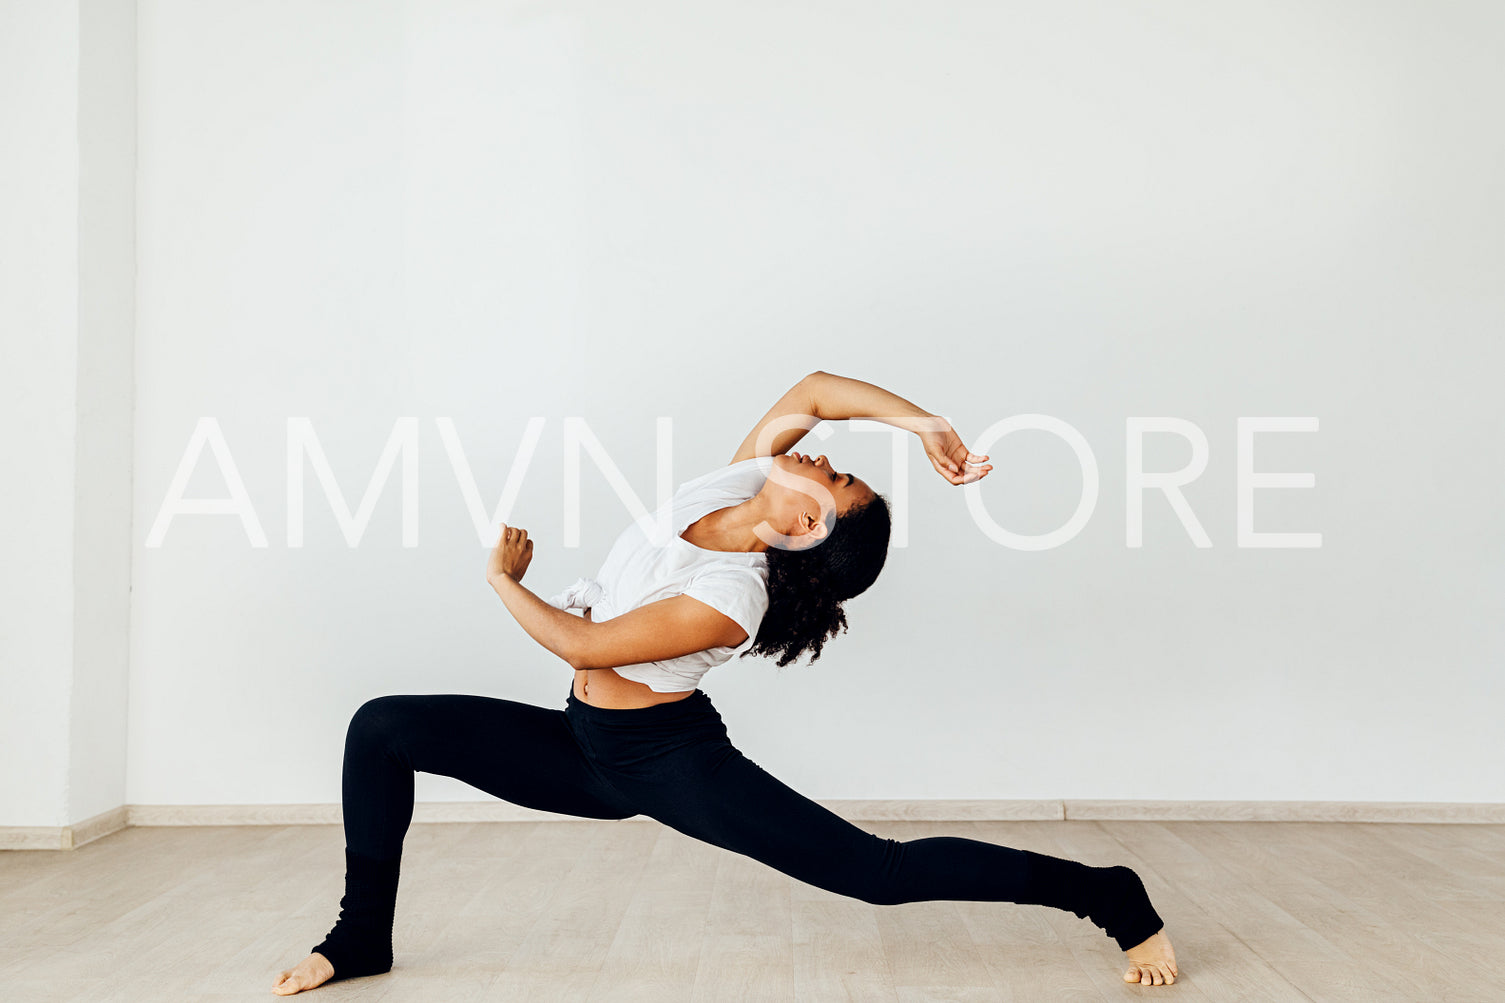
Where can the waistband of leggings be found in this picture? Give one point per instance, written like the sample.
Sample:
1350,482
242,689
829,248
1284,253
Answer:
697,704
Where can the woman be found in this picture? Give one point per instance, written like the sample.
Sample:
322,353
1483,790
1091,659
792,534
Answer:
754,558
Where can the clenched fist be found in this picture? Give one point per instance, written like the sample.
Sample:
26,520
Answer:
511,555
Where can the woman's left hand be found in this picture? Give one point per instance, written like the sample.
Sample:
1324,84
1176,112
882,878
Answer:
951,458
511,555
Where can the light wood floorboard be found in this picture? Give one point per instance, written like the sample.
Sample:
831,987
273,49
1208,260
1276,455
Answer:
598,910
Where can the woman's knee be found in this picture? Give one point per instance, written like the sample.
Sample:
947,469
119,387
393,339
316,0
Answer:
881,884
872,876
381,715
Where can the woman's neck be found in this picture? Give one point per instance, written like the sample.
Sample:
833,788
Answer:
731,529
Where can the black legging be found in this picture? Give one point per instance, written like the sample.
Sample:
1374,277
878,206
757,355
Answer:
671,762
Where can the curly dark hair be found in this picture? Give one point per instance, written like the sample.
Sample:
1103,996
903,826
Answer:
807,587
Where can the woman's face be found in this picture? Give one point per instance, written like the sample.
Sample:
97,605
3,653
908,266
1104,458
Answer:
844,488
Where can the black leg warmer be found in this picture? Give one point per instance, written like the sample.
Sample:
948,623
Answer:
1113,898
361,941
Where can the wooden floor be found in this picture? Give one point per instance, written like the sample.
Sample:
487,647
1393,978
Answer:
589,910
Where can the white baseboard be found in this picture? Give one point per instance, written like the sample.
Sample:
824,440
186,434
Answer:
64,837
924,810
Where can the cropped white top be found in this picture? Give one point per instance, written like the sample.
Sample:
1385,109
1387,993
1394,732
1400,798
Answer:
651,561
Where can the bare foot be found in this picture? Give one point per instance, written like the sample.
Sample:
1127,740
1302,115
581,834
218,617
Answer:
1152,961
314,970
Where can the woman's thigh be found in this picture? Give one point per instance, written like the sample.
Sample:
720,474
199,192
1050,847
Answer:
716,794
515,751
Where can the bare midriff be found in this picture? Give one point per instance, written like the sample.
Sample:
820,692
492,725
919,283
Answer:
604,688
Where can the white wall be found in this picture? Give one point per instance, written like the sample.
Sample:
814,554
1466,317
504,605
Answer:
358,212
67,252
38,301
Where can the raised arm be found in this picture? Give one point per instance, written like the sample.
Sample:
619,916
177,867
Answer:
785,424
822,396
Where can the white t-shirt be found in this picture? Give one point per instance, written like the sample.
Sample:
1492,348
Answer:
651,561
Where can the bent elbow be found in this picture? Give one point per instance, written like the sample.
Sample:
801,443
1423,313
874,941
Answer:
580,657
576,646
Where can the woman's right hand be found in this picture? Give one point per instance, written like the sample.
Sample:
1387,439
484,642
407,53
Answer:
511,555
951,458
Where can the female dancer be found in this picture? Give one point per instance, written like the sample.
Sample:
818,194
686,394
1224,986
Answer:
759,558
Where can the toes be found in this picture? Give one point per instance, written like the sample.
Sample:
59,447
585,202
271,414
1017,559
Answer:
1151,974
